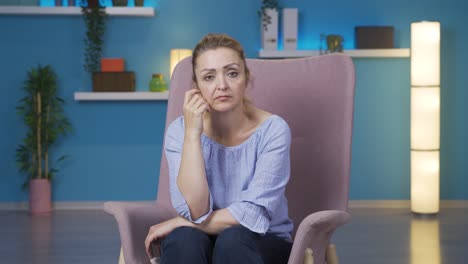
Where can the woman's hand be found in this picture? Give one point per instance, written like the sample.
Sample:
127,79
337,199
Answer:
194,108
160,231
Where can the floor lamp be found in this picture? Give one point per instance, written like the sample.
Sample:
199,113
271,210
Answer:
177,55
425,117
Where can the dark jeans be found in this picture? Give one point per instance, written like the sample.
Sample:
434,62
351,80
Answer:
236,244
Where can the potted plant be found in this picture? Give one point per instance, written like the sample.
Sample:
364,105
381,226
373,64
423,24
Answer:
95,17
264,13
42,112
269,20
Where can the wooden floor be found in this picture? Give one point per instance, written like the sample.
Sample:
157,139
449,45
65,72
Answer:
373,236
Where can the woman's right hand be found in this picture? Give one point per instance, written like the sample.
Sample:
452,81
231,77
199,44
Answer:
194,108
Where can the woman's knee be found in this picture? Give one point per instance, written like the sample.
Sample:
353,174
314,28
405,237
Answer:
186,235
233,238
186,245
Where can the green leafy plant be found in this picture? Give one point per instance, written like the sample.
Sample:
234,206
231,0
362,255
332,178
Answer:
95,18
267,4
42,112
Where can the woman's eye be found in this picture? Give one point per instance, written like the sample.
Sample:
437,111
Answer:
233,74
208,78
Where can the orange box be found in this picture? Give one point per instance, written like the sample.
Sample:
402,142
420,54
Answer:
112,65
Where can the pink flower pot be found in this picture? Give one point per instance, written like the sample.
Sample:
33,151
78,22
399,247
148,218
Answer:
40,197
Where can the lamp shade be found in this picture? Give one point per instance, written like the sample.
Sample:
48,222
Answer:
425,182
425,117
177,55
425,53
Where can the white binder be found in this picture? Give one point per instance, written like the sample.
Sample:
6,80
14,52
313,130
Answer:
290,18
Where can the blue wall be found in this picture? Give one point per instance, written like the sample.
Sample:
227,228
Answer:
115,147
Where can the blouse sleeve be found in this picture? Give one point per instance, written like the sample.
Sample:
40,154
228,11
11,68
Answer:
173,148
266,190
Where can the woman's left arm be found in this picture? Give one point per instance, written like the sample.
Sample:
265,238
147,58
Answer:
213,225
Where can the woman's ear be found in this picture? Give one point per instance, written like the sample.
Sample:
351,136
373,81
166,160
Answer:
195,85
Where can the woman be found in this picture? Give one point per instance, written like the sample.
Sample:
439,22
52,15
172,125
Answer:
228,169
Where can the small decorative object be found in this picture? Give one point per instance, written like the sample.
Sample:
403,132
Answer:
95,17
374,37
113,81
178,55
64,3
269,20
112,65
42,112
120,2
334,43
290,16
139,2
68,3
157,83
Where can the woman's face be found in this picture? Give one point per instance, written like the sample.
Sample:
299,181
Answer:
221,78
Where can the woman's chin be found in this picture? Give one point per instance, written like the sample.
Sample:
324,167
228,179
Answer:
221,108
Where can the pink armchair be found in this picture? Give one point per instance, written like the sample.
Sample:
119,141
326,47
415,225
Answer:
315,96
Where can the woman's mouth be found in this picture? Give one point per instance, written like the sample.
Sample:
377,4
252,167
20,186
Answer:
223,98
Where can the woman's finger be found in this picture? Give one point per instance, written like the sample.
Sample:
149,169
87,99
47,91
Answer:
195,105
148,250
203,107
189,94
148,241
195,98
198,103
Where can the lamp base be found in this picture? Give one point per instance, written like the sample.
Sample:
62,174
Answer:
427,216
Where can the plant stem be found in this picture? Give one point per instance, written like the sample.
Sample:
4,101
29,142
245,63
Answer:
46,150
38,134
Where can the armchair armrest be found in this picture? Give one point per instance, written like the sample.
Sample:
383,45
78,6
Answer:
134,221
315,232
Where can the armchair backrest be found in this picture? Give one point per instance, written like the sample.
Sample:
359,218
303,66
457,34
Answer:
315,96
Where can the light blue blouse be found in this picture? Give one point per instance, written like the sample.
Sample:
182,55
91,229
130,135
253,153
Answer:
248,179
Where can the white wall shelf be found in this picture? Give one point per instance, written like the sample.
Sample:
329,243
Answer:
355,53
60,10
121,96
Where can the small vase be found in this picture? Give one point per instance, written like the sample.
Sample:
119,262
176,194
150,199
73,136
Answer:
139,2
119,2
93,3
40,197
157,83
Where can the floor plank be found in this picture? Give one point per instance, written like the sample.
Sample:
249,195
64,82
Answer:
373,236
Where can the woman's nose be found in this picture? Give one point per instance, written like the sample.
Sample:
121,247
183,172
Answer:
221,84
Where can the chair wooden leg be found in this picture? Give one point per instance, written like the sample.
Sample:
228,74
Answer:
332,256
121,257
308,256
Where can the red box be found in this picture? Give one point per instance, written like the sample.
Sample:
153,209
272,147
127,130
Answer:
112,65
